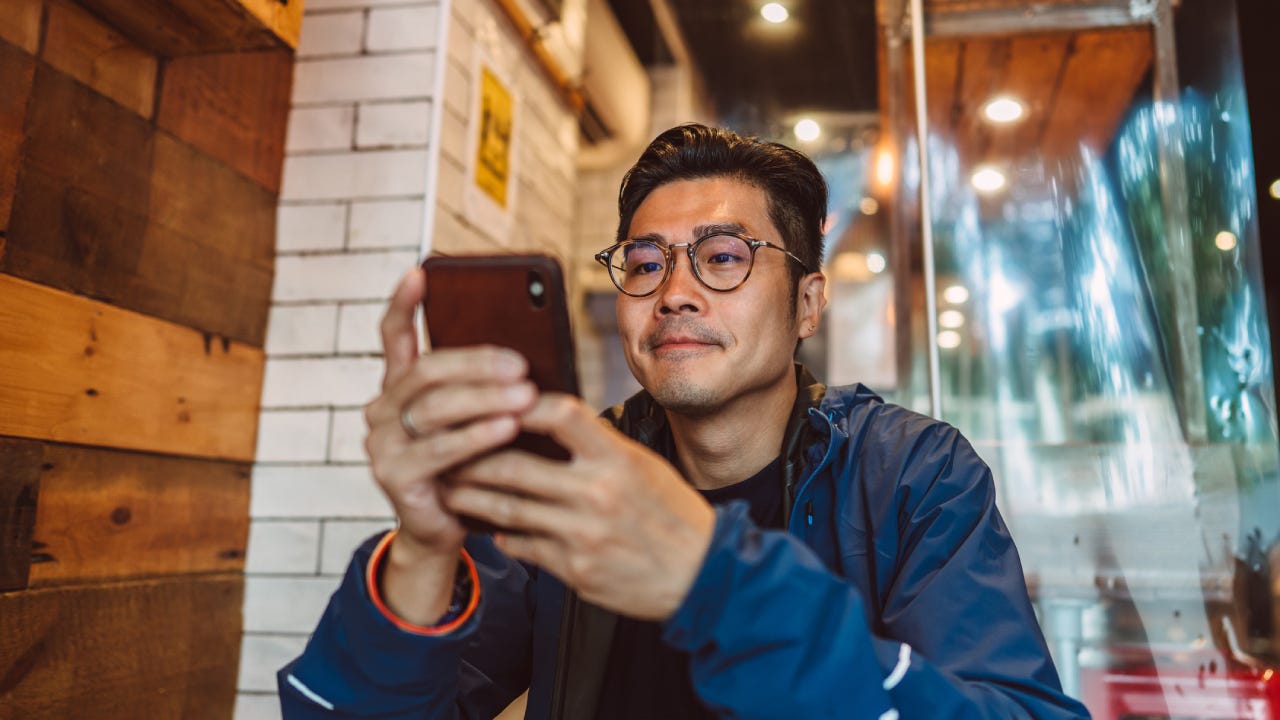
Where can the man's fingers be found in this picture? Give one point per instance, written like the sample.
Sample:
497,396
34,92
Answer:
508,510
450,405
541,551
572,424
463,367
519,472
443,450
399,337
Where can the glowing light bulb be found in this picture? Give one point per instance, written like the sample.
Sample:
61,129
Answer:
774,13
956,294
1004,110
951,319
876,262
869,206
808,130
949,339
988,180
1226,241
1275,189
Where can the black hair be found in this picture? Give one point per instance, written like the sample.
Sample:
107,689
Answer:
795,188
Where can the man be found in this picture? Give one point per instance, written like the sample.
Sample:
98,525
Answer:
739,541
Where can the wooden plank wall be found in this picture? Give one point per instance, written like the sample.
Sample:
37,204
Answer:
141,143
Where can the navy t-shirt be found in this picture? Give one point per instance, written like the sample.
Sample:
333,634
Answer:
646,678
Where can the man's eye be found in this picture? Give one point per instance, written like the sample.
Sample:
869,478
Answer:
723,258
645,268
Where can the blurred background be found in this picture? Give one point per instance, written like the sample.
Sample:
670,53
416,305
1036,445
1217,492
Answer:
1048,227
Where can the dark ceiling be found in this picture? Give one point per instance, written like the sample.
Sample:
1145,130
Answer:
822,59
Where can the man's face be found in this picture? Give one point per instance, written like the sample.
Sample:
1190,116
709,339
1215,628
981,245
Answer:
694,349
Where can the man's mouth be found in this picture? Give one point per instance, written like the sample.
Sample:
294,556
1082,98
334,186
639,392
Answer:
684,338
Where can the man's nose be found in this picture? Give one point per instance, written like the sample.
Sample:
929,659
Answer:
682,292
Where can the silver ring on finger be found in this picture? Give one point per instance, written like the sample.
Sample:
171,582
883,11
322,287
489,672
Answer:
406,422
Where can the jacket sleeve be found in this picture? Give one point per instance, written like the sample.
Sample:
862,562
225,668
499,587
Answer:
358,664
773,633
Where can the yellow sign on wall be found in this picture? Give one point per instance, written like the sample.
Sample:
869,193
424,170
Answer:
493,152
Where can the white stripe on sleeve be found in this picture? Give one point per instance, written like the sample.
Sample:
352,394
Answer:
311,695
899,670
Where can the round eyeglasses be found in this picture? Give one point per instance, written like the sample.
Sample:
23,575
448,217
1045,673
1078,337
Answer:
721,260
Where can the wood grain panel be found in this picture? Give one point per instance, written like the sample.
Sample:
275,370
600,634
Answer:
83,193
233,106
210,244
19,488
83,47
20,23
164,649
107,207
79,371
190,27
1098,85
17,70
110,515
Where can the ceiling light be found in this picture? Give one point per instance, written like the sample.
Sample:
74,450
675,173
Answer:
885,168
1004,110
1275,189
774,13
1226,241
956,294
869,206
807,130
948,339
876,262
951,319
988,180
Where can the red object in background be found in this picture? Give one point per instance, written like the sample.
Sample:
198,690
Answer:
1194,689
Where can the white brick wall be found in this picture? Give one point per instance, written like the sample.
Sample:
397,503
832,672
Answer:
355,192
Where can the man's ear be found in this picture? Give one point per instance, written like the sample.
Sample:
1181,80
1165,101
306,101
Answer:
811,298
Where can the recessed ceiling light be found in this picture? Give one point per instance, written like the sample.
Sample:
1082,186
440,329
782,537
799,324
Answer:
1004,110
1226,241
951,319
876,262
1275,189
808,130
956,294
948,339
774,12
886,167
869,206
987,179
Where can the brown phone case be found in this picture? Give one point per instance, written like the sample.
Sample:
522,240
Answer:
494,300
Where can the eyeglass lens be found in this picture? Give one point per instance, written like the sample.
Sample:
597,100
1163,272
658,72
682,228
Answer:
721,262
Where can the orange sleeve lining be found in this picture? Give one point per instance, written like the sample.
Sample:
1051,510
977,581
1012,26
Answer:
375,593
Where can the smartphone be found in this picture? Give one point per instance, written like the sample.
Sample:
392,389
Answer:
515,301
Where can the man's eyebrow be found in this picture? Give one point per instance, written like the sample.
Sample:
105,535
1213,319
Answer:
698,231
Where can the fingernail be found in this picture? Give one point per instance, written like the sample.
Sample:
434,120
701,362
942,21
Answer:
510,363
520,393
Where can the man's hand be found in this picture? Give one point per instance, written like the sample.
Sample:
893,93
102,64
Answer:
616,523
435,411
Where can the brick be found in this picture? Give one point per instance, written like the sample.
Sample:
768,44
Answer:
457,90
257,706
20,23
407,28
310,227
284,605
302,330
358,327
382,77
316,491
380,173
393,124
283,547
293,436
462,43
289,382
320,128
331,34
385,224
350,276
262,655
342,537
453,136
346,439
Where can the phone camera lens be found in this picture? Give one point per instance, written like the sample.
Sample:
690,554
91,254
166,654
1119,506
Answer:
537,290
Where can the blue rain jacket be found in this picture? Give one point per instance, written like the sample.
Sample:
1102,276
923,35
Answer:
896,593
